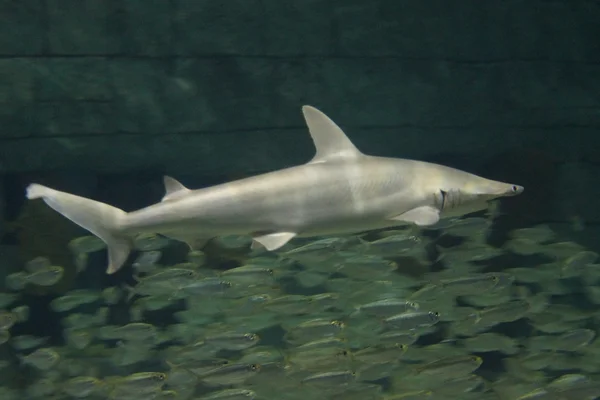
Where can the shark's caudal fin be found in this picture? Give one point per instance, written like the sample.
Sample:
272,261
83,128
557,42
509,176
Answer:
100,219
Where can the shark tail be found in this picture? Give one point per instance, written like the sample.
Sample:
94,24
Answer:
101,219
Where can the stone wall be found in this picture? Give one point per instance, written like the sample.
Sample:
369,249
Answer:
215,87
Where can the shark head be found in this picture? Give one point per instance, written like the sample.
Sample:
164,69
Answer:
465,193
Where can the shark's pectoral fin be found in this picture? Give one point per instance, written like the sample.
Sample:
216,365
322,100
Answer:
422,216
173,189
273,241
330,141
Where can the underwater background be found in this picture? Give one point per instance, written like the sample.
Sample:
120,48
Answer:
103,97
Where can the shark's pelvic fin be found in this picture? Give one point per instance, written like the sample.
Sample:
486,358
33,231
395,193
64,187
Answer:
173,189
422,216
194,242
273,241
330,141
98,218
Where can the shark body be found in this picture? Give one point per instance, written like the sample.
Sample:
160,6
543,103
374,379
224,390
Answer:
341,190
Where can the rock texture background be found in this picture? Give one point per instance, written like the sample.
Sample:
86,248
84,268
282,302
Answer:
211,90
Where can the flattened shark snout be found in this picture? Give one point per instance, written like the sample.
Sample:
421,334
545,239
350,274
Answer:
509,189
515,190
501,189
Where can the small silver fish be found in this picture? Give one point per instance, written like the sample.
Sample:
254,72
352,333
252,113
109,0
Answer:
233,341
42,359
412,320
388,307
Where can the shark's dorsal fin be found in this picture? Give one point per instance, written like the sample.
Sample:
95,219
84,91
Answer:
173,189
330,140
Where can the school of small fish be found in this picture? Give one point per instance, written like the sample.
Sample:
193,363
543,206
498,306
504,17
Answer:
439,314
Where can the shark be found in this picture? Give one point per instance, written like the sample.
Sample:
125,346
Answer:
341,190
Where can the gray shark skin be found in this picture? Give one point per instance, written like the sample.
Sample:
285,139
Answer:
339,191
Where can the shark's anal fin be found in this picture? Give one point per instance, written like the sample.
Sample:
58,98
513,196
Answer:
421,216
330,140
273,241
118,253
173,189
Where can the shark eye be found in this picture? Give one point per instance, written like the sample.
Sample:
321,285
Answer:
515,189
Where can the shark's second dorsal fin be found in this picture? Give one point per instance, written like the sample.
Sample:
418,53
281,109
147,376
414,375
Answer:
173,189
330,140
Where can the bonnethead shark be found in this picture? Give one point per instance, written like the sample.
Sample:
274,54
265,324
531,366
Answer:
339,191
